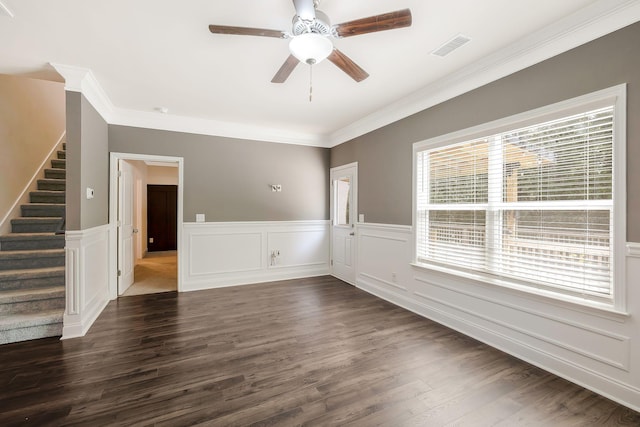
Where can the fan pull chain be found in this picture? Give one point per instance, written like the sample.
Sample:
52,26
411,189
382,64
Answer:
310,82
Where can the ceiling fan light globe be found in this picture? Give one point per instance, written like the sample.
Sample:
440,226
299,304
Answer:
310,47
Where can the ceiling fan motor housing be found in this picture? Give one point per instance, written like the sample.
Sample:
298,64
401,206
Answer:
319,25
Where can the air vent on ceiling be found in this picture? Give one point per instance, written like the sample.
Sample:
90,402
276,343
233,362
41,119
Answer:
5,10
453,44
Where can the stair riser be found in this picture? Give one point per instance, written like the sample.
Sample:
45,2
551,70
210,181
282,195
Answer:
33,306
31,211
30,244
55,173
62,154
47,198
31,333
52,185
33,262
58,164
31,283
36,227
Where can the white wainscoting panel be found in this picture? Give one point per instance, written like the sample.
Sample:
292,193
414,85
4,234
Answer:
219,254
383,256
87,279
600,351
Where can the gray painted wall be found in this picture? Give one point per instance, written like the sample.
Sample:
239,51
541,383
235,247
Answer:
229,179
74,159
384,156
87,164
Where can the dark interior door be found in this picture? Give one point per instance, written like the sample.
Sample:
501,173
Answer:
162,217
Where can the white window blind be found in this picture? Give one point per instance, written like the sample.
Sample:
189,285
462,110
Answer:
532,204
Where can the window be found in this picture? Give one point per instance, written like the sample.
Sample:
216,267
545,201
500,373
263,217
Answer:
528,201
342,190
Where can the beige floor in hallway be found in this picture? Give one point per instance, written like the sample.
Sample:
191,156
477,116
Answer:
157,272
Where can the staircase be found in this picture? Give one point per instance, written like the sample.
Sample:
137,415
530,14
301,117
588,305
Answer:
32,291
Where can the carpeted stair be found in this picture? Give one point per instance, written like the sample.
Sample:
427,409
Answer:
32,292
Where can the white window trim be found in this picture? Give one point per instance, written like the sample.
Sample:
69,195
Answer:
615,96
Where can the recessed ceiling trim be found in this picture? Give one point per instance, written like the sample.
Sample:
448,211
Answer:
5,10
596,20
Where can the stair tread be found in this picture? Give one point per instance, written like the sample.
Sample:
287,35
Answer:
51,192
30,252
32,272
25,320
37,218
22,236
31,294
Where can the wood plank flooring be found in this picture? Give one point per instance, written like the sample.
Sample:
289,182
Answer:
302,352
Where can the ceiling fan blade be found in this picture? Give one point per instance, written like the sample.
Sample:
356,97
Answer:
286,69
383,22
345,63
305,9
244,31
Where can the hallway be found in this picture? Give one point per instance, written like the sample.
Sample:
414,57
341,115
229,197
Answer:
157,272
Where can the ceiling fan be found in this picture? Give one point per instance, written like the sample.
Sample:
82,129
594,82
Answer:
311,33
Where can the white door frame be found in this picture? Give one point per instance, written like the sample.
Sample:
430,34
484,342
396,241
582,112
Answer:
113,212
354,186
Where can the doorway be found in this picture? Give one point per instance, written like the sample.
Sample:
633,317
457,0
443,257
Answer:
162,212
130,258
344,211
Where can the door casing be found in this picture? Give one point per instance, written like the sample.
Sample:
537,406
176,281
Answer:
113,212
339,232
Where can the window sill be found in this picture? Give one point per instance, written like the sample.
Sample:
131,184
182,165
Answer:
569,302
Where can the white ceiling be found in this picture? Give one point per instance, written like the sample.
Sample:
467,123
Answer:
147,54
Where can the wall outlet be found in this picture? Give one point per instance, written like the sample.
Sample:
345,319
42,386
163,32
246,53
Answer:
276,188
275,253
361,218
199,217
90,193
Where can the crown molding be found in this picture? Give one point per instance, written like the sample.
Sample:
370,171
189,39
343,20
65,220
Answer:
172,122
79,79
596,20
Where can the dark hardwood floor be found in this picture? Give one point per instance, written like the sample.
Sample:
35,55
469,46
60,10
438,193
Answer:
302,352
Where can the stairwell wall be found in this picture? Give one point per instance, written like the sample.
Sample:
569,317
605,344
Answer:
32,119
87,164
87,235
